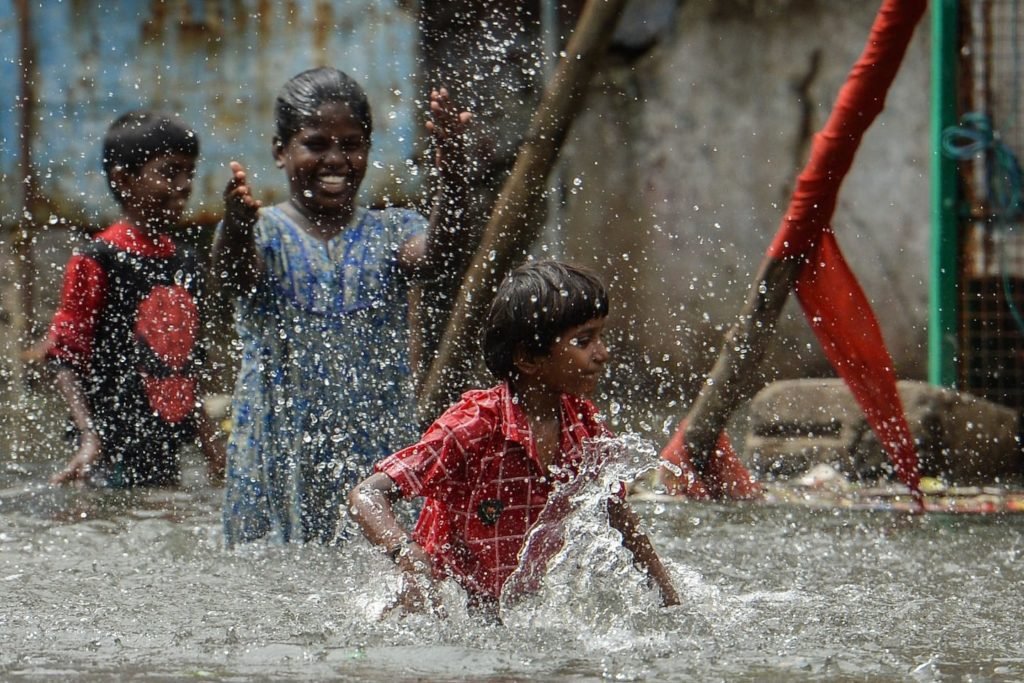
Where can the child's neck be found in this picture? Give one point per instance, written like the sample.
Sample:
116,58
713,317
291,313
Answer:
149,228
543,408
322,227
538,401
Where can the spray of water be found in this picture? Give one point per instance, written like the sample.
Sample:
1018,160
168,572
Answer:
574,574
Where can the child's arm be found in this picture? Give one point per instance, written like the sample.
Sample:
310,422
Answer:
443,242
236,262
625,521
89,445
371,504
211,445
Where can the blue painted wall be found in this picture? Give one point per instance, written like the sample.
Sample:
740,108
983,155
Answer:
218,64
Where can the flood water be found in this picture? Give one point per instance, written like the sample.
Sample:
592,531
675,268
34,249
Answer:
96,585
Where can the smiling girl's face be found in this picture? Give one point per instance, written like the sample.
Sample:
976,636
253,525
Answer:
325,162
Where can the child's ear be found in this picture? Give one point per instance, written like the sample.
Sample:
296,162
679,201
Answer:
278,152
120,181
525,362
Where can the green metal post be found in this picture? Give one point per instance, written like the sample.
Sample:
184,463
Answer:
943,332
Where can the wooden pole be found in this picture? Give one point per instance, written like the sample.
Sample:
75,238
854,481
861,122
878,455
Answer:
732,380
23,237
516,220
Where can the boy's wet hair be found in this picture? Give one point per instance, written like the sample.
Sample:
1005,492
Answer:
300,98
138,136
534,305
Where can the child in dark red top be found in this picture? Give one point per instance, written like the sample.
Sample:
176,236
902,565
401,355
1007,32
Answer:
125,333
487,466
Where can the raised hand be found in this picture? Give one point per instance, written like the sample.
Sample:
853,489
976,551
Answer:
447,126
235,259
240,207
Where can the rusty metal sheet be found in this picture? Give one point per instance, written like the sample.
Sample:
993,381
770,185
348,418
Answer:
217,63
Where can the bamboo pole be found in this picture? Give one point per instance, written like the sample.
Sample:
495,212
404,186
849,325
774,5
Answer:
23,237
732,380
516,220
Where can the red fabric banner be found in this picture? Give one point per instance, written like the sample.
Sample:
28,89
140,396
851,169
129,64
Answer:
844,323
827,289
725,477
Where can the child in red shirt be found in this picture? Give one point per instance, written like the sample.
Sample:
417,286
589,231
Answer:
125,333
487,466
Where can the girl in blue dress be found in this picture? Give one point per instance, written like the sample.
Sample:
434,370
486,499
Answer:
324,388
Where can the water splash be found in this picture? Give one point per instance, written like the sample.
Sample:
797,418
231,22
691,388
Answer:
590,583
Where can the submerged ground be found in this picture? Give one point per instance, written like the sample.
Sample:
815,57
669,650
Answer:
96,586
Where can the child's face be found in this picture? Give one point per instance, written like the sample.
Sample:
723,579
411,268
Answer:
156,195
325,161
576,361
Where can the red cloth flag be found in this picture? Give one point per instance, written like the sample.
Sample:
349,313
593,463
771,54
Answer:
724,477
827,289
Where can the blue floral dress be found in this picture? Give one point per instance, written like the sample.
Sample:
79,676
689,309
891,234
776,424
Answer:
324,388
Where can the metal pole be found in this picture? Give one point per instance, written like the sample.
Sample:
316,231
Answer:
555,201
944,308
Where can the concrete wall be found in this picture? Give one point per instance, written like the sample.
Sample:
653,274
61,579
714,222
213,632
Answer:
680,168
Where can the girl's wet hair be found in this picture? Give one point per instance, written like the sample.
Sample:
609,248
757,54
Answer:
300,98
534,305
139,136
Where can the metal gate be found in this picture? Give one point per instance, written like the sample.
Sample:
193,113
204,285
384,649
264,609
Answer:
978,307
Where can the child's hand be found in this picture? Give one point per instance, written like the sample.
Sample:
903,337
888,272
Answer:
417,594
412,598
669,597
447,125
37,352
81,464
211,443
240,206
415,598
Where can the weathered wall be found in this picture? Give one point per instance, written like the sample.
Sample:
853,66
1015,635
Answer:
218,64
675,176
682,164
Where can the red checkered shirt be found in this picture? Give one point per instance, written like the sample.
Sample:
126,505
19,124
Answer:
478,469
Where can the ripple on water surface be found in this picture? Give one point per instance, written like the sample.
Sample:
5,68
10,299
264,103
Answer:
100,584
